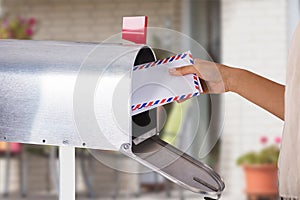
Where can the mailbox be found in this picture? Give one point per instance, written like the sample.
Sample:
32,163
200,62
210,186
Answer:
45,91
79,95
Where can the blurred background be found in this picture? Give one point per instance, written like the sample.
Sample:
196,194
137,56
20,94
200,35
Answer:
251,34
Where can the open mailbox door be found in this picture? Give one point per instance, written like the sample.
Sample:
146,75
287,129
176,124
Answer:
177,166
170,162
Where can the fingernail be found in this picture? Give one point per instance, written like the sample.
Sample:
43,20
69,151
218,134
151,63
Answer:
174,72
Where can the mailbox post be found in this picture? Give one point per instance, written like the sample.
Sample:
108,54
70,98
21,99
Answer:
67,173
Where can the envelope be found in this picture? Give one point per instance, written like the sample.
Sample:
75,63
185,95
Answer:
153,86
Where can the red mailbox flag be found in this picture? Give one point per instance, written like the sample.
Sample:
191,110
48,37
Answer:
135,29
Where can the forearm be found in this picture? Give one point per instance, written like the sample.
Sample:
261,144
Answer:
220,78
261,91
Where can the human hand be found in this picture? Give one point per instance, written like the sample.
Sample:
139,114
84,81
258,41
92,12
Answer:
217,78
214,77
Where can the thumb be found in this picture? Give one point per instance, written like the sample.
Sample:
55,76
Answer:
190,69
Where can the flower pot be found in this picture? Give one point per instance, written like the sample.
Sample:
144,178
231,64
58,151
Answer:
261,179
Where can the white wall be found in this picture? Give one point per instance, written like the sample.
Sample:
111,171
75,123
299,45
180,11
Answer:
293,15
254,37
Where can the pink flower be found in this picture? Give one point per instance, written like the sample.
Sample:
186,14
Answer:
29,32
31,21
278,140
263,140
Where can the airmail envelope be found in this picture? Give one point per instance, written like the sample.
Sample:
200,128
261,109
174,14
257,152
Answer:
153,86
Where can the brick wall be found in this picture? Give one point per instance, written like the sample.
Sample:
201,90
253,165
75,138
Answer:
0,7
91,20
254,37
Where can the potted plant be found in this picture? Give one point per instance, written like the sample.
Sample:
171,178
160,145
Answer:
260,169
17,27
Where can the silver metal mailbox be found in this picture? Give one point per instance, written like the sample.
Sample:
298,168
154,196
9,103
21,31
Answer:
78,94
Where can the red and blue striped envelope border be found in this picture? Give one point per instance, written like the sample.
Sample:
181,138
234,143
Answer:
186,55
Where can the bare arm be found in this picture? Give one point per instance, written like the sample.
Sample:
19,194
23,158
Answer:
219,78
259,90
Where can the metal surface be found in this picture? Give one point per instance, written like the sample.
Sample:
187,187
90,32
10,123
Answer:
177,167
67,93
67,173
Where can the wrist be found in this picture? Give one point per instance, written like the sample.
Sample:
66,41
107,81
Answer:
230,77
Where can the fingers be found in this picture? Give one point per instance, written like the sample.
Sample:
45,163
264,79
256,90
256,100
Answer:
190,69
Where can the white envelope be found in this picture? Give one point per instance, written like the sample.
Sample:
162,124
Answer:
153,86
